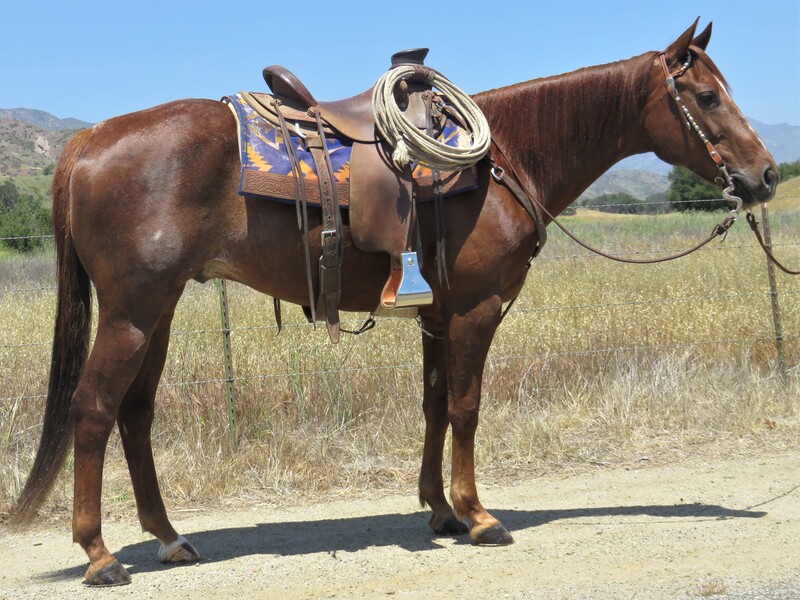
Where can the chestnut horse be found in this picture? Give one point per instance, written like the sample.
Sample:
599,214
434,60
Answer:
147,201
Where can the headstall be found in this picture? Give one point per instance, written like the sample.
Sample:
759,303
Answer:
691,124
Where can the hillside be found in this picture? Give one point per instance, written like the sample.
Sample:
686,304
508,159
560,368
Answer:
32,140
637,183
788,195
27,149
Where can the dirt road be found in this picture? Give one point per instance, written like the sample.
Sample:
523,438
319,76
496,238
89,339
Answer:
722,528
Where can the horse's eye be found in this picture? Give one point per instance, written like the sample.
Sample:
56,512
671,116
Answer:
707,100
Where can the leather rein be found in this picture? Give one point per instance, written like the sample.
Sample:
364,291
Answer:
534,208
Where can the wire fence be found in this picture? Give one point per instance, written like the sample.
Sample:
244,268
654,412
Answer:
234,342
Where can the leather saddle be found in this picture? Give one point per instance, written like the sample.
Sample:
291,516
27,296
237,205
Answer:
352,117
381,198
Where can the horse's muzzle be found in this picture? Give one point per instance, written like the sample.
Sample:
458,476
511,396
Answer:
755,192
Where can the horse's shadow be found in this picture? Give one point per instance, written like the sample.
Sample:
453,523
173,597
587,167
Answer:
408,531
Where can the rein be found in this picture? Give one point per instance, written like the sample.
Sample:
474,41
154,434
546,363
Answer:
751,220
527,200
533,207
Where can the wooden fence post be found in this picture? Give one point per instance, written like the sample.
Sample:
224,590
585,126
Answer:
228,356
773,291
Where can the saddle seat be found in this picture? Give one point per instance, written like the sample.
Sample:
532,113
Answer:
352,117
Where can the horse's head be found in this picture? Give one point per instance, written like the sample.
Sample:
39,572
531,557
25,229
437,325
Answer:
694,122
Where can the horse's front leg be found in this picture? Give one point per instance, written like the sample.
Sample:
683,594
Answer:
443,520
469,333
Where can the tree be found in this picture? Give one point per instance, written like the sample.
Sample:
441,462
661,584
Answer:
23,218
687,191
789,170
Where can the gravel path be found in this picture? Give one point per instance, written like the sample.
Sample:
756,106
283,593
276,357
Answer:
727,528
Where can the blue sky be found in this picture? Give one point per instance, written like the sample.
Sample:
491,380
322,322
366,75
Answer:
96,59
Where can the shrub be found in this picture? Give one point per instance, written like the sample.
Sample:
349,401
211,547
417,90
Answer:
23,218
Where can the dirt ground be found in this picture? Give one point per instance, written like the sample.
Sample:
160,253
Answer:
726,528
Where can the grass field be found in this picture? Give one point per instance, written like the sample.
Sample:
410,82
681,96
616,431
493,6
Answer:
597,362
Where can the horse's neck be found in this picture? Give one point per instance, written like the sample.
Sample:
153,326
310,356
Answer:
562,133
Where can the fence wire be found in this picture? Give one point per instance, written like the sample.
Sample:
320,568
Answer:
733,297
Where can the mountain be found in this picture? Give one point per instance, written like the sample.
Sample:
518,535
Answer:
32,140
782,140
42,119
637,183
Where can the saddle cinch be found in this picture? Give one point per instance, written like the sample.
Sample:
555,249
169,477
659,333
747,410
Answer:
350,168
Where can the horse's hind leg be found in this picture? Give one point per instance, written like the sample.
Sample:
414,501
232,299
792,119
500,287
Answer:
135,421
431,485
126,325
120,346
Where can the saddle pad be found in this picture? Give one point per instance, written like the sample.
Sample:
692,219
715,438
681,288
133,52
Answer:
267,171
266,168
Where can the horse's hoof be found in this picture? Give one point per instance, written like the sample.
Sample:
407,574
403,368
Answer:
497,535
451,526
178,551
110,575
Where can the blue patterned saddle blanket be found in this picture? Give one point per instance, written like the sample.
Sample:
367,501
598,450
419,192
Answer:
267,170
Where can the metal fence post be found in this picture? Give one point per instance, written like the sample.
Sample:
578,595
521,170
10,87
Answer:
228,355
773,292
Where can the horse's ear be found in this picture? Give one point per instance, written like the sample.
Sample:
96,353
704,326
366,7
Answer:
678,49
701,41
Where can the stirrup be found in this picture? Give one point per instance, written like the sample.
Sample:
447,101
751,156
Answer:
406,286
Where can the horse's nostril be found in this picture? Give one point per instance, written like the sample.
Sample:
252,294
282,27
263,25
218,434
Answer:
770,178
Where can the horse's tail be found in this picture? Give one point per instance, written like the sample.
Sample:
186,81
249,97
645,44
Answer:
70,345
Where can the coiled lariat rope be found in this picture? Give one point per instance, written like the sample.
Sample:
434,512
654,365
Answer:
412,144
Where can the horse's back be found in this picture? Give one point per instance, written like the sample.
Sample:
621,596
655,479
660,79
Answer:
157,139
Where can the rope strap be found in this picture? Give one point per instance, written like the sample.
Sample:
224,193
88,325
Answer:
411,144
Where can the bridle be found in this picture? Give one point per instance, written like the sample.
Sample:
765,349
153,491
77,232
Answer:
506,176
691,124
535,208
530,202
715,155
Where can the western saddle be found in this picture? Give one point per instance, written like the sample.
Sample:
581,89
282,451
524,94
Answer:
382,197
352,117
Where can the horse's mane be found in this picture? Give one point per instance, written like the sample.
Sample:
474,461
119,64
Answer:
541,122
543,125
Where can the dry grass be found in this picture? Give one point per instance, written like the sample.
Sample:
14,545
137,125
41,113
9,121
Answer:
788,196
708,589
597,363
